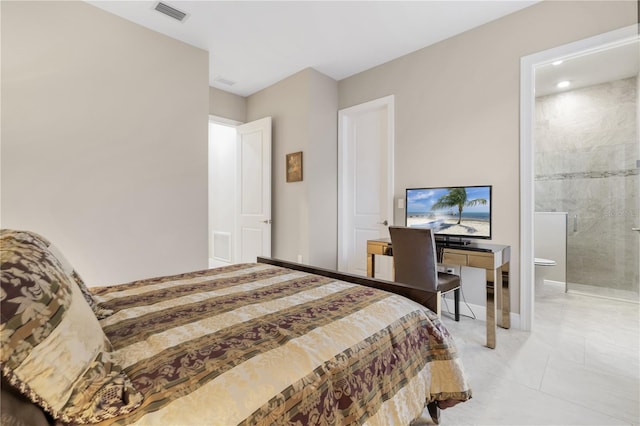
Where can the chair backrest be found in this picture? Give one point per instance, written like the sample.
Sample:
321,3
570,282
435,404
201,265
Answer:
414,256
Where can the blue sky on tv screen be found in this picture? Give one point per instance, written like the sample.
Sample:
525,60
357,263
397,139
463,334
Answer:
421,200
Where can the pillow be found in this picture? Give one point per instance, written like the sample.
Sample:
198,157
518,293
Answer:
75,277
53,349
66,267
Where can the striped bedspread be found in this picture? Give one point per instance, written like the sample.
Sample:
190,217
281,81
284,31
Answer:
255,344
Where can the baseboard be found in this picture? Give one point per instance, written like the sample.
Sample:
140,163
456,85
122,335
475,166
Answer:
556,284
215,263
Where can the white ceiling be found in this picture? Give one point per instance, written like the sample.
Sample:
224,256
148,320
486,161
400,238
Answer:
608,64
258,43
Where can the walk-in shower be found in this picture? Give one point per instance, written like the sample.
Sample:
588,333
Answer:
586,164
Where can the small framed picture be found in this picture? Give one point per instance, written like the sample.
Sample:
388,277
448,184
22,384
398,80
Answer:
294,167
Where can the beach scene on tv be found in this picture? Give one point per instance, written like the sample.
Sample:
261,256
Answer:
460,211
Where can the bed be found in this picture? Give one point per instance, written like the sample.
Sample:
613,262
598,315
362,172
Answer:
259,343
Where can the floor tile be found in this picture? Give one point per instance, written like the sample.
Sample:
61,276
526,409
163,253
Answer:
613,395
579,366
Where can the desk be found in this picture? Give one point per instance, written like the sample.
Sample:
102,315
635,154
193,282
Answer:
493,258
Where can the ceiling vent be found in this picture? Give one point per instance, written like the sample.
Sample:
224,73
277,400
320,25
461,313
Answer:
170,11
224,81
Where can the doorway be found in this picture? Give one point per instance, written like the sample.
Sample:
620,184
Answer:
530,65
585,152
239,191
222,169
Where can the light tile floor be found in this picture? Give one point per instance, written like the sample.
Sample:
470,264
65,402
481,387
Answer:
579,366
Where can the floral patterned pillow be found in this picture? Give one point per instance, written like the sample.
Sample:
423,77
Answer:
53,349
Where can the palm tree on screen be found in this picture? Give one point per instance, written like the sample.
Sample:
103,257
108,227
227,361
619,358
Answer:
457,197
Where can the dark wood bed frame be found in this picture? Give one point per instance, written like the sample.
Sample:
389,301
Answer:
430,299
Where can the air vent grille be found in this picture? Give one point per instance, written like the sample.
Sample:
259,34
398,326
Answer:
224,81
170,11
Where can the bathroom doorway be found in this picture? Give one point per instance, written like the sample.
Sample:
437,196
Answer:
586,154
530,65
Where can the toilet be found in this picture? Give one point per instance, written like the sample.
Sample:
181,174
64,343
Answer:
541,264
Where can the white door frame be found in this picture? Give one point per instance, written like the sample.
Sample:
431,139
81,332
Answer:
385,102
527,110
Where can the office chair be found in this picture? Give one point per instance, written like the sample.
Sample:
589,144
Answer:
415,262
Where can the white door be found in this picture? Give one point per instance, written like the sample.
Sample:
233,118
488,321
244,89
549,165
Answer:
253,203
365,183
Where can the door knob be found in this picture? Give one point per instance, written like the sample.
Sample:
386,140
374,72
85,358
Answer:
268,221
385,223
635,229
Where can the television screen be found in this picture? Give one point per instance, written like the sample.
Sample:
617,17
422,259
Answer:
457,211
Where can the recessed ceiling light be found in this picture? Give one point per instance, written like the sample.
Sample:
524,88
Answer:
556,63
563,84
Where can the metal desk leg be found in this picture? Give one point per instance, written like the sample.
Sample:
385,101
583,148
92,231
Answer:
371,264
491,315
496,276
506,296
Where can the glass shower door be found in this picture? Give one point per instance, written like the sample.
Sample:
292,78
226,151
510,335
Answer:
603,251
602,247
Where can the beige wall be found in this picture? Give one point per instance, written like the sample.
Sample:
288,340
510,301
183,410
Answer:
321,170
104,140
457,105
227,105
303,107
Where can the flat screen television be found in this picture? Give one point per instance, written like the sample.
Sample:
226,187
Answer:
455,213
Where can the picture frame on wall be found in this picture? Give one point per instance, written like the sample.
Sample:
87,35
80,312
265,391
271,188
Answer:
294,167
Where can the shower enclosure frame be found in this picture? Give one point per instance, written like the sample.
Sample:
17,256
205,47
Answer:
527,108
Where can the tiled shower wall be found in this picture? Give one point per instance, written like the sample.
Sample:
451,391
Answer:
586,147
